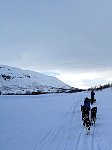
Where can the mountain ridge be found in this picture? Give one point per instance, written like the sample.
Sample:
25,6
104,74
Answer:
16,80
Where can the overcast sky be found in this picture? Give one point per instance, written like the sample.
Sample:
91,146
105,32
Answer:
71,40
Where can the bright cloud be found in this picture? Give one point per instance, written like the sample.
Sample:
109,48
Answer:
73,38
84,80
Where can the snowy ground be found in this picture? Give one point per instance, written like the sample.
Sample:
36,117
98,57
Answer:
53,122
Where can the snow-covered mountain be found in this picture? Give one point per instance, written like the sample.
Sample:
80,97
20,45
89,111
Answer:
15,80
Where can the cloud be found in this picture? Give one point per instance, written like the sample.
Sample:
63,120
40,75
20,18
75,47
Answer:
86,80
57,36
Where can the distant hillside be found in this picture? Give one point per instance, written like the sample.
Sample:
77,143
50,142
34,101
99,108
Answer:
17,81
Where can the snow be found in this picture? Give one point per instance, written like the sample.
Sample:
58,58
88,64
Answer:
21,81
53,122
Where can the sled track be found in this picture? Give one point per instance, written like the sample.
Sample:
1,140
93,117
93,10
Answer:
94,143
79,137
51,135
57,131
87,141
100,133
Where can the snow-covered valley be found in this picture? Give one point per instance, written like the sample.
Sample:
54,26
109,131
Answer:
53,122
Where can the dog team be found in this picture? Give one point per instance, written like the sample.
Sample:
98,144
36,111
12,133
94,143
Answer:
88,113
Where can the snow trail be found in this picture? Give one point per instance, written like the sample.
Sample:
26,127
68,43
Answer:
53,122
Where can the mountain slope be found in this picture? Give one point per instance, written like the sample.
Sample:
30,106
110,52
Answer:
15,80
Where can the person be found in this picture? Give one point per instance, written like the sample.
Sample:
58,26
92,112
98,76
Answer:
92,96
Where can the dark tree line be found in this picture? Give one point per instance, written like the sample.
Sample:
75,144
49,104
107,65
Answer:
101,87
